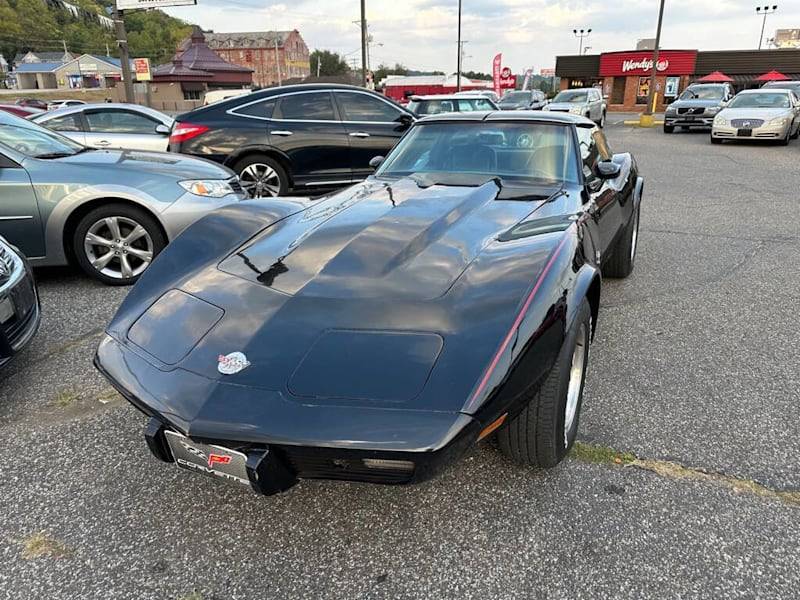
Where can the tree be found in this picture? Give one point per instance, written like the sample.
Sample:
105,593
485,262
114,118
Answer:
476,75
327,63
383,70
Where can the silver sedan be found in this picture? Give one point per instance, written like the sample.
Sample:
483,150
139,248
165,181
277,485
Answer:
111,126
763,114
109,211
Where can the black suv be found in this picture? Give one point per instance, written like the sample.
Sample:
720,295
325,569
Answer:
296,137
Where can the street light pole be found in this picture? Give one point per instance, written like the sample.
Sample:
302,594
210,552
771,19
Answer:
363,43
767,10
651,92
458,67
580,34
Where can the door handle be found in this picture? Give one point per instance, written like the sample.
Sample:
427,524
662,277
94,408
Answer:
359,134
102,143
281,133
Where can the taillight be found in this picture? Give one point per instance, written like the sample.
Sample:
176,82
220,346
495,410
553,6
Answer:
185,131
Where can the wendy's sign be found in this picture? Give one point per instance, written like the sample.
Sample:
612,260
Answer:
670,62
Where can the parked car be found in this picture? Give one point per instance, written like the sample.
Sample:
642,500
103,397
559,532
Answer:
217,95
784,85
19,303
444,103
762,114
487,93
110,125
377,333
295,137
523,100
110,211
32,103
587,102
20,111
697,106
56,104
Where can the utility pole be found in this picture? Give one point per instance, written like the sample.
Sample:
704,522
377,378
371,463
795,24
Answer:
651,92
363,43
458,67
124,57
767,10
278,62
319,62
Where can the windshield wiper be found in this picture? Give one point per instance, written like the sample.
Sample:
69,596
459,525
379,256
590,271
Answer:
55,155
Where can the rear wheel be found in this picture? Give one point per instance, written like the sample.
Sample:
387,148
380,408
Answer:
602,122
116,243
620,262
542,434
262,176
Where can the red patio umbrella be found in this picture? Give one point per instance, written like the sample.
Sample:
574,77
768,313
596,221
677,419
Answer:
773,76
716,77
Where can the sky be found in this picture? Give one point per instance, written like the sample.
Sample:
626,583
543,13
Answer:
421,34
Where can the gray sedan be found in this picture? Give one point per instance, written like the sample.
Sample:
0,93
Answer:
121,126
110,211
765,114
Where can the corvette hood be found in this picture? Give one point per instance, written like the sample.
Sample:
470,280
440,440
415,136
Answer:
391,294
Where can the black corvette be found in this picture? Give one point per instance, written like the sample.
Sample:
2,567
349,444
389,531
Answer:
376,333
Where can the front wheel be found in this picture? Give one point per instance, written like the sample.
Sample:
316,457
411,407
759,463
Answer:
602,122
542,434
669,128
715,140
116,243
620,262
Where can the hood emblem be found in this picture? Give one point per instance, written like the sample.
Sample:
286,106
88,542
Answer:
232,363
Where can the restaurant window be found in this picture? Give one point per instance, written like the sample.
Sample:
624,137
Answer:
642,90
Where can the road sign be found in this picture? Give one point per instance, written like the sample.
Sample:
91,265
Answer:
134,4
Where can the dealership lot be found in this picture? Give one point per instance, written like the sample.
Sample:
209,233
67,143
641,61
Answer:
694,371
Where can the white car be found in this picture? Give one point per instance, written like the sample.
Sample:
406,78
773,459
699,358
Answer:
114,126
762,114
56,104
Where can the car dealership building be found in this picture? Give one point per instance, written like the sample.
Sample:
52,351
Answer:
625,76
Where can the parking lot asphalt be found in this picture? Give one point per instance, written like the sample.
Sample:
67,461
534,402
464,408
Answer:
686,483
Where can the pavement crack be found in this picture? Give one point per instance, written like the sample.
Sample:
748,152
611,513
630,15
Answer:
667,469
776,240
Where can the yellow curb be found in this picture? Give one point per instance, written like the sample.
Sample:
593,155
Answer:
638,123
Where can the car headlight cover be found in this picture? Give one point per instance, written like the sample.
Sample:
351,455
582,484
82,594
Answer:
211,188
712,110
779,121
720,120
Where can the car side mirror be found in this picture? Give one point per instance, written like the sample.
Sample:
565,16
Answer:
162,129
607,169
405,119
376,161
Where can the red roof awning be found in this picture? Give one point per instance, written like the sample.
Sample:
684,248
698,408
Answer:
773,76
716,77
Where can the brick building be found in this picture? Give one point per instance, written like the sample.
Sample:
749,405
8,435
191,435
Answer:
258,50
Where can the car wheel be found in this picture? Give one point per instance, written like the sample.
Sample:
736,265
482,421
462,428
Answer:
669,128
715,140
602,122
620,262
116,243
262,176
542,434
785,140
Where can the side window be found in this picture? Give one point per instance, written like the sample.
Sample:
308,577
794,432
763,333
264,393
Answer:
263,109
119,121
589,151
362,107
315,106
65,123
483,104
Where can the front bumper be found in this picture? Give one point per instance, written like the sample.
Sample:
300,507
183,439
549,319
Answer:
678,120
190,207
286,440
765,132
18,294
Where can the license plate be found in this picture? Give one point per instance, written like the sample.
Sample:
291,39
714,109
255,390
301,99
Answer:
745,133
690,118
6,309
208,459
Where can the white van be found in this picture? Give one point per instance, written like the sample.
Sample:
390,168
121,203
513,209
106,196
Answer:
217,95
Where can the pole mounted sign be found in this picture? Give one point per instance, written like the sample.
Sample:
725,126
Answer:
134,4
141,66
507,80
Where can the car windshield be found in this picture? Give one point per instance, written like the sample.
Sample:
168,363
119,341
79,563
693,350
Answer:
516,97
524,151
567,96
761,100
784,85
702,92
36,141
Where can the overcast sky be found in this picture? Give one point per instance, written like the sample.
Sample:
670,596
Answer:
422,33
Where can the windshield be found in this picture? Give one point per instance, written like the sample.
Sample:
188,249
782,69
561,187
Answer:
761,100
527,151
516,97
702,92
784,85
36,141
575,97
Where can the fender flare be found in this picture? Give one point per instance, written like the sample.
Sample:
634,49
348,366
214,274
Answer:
587,285
638,190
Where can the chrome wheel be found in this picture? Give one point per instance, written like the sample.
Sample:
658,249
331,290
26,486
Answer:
118,247
575,382
260,180
635,234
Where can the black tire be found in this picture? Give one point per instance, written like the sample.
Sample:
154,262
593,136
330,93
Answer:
262,176
117,251
602,122
669,128
785,141
537,436
715,140
796,133
620,261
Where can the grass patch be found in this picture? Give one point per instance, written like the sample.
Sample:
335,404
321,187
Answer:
191,596
600,454
66,398
107,395
40,544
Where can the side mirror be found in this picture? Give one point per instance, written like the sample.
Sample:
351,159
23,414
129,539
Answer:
376,161
405,119
162,129
607,169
